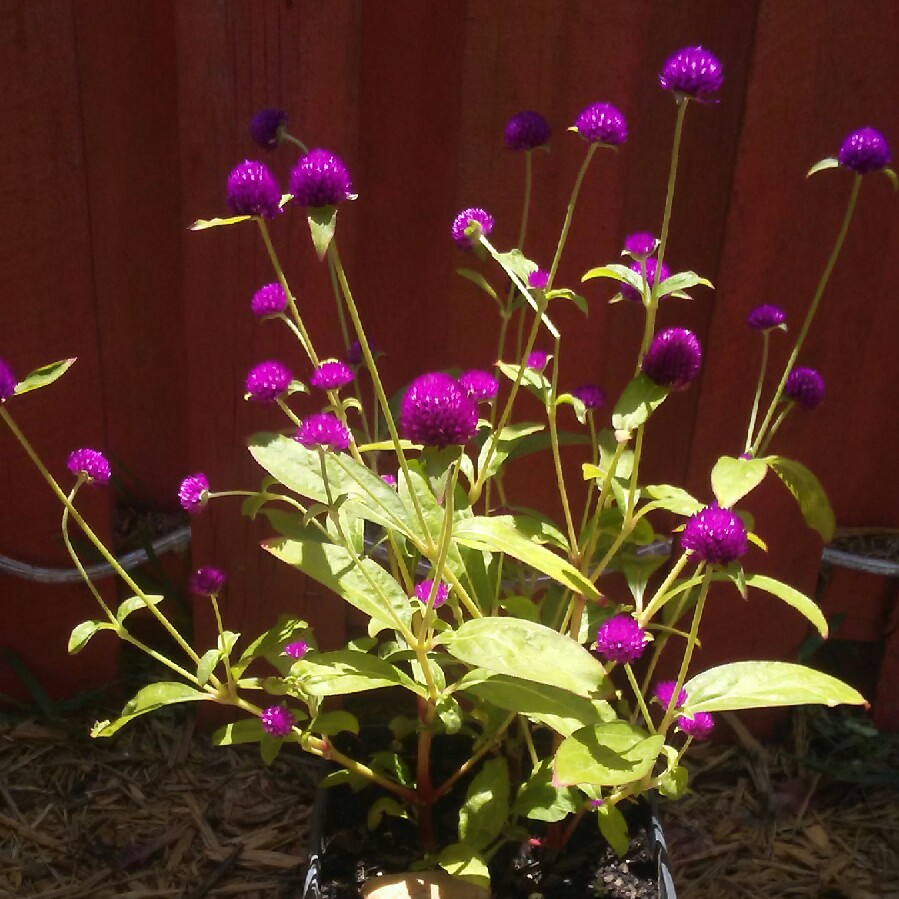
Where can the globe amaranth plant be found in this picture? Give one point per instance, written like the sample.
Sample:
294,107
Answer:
493,620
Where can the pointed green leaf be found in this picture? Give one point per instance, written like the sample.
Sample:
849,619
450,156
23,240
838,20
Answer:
894,179
82,633
673,499
208,661
43,376
247,730
271,644
755,685
580,410
682,281
734,478
792,597
616,272
807,489
518,267
322,225
385,805
608,755
203,224
328,723
345,671
530,377
486,805
541,800
135,603
613,827
829,163
478,279
152,697
639,399
462,861
566,293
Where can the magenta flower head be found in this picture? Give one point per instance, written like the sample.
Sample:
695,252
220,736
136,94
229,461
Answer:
267,381
354,353
805,387
620,639
266,127
322,429
863,151
652,272
423,592
663,692
602,123
538,279
331,376
692,72
481,222
297,649
207,581
389,479
766,317
268,300
699,726
640,245
252,190
526,130
479,385
537,360
320,178
277,721
89,464
715,535
437,411
193,493
590,395
673,358
8,382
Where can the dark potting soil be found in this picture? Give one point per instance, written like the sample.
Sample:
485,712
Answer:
587,867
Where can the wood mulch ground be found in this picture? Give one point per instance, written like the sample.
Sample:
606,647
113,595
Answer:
158,812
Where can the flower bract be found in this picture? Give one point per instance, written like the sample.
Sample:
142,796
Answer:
207,581
252,190
863,151
480,218
268,300
692,72
663,692
592,396
602,123
89,464
193,493
479,385
297,649
267,381
320,178
331,376
277,721
698,726
673,358
323,429
766,317
715,535
805,387
653,271
640,245
423,592
620,639
526,130
437,411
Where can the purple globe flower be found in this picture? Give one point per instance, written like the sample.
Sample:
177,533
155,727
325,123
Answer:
322,429
652,271
423,592
320,178
297,649
354,353
479,385
277,721
663,692
267,381
537,360
673,358
193,493
331,376
805,387
252,190
699,726
863,151
620,639
602,123
8,382
766,317
538,279
715,535
268,300
389,479
483,221
265,127
640,245
89,464
526,130
437,411
692,72
207,581
592,396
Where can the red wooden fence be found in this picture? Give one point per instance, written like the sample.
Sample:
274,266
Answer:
125,117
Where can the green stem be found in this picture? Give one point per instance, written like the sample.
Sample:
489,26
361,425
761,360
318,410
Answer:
226,656
758,391
641,702
287,411
527,200
551,410
763,449
467,765
661,595
285,135
569,213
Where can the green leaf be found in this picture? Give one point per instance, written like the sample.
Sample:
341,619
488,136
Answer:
329,723
754,685
386,805
674,499
207,664
393,765
673,783
271,644
247,730
734,478
682,281
527,650
344,671
616,272
486,805
518,267
478,279
465,863
829,163
566,293
269,747
43,376
580,410
530,377
640,398
135,603
613,827
609,755
504,533
152,697
450,714
203,224
521,607
322,225
807,489
541,800
893,178
792,597
83,632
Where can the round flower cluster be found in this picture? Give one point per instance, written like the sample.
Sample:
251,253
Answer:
322,429
766,317
653,271
267,381
620,639
698,726
423,592
692,72
277,721
266,127
538,279
590,395
479,385
252,190
193,493
207,581
537,360
389,479
268,300
297,649
715,535
673,358
640,245
320,178
480,218
863,151
526,130
89,464
331,375
602,123
805,387
438,411
663,692
8,382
